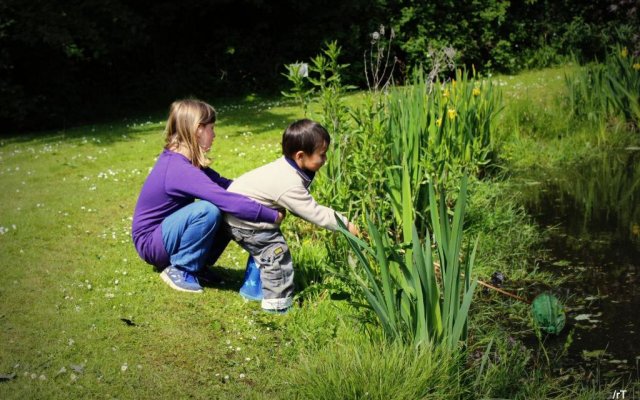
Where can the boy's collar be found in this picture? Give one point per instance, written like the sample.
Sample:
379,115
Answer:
305,173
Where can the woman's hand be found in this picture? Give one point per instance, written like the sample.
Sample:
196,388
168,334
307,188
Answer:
281,215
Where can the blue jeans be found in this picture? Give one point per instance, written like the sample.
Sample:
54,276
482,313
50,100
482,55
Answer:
192,236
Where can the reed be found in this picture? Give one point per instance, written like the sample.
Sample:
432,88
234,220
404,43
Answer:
437,129
600,92
399,283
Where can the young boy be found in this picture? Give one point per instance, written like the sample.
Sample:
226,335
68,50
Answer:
283,184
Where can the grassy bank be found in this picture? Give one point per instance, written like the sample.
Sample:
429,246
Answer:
83,317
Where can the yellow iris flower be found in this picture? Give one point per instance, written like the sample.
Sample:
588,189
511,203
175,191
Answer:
624,52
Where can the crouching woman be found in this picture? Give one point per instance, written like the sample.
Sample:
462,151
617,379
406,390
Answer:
172,231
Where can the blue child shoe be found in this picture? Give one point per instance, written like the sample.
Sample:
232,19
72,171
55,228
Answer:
252,287
181,280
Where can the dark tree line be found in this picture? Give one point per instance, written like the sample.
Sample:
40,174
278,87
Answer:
70,62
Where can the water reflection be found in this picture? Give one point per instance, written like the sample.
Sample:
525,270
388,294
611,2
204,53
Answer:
592,210
598,195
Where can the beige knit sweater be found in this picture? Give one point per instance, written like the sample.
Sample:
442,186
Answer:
279,185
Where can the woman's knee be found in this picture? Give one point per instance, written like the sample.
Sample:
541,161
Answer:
208,211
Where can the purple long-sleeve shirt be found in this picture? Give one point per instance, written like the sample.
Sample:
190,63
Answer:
174,183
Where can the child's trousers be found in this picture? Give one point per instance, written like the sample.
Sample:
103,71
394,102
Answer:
271,253
192,236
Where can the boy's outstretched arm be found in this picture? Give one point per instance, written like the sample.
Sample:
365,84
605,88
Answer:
300,202
353,229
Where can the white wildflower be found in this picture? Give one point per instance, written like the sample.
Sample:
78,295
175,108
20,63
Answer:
299,69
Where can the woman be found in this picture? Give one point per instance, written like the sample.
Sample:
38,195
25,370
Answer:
170,229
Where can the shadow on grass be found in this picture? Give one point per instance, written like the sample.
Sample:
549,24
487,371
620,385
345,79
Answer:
225,278
222,278
98,133
260,115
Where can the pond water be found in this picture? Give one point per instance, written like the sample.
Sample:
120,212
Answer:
592,212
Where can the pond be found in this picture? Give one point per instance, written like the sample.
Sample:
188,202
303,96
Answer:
592,213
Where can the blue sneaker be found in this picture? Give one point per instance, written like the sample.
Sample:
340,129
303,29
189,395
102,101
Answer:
181,280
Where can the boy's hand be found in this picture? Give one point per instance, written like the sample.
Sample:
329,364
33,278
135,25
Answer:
353,229
281,215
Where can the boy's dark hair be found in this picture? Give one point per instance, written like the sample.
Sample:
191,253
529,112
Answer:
305,135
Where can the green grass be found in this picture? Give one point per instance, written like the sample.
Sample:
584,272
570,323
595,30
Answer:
72,282
71,273
376,369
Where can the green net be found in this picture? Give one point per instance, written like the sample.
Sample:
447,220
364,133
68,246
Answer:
548,313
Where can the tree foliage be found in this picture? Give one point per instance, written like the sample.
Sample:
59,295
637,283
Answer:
76,61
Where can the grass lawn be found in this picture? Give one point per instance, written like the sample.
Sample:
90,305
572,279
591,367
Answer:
83,317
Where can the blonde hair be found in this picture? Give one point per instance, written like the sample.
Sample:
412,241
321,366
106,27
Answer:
185,116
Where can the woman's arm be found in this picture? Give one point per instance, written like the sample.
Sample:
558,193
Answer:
185,180
224,182
217,178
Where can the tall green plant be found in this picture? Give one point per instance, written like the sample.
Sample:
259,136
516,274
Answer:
612,89
408,122
437,130
399,281
352,175
326,78
623,76
297,74
320,81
